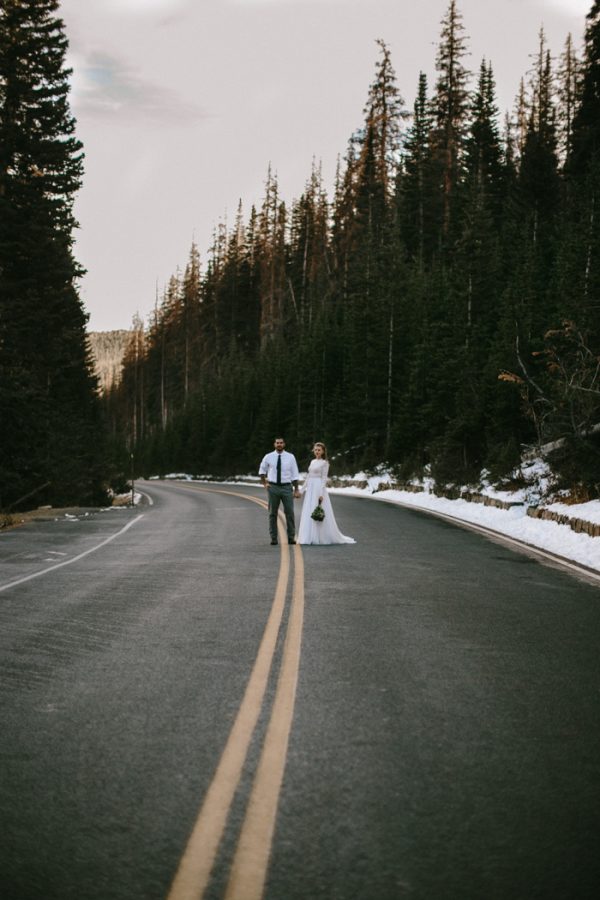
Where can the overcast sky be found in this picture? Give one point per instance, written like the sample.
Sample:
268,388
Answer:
182,104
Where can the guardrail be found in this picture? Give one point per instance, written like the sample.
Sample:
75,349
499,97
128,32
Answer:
580,526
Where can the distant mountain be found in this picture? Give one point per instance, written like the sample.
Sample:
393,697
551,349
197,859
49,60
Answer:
108,349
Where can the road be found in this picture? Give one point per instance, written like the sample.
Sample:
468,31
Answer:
187,710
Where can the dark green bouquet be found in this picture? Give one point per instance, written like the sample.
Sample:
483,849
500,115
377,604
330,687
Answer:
318,513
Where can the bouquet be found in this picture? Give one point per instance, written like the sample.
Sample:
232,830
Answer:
318,513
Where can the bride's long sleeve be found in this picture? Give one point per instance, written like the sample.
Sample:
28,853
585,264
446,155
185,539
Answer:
324,475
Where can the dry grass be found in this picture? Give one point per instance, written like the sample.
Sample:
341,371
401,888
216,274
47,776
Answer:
44,513
578,493
47,513
122,499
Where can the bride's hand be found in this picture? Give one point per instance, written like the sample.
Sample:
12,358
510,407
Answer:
320,500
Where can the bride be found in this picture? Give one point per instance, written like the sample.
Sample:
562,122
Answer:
315,494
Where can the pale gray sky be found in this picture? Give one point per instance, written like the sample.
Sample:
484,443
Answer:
182,104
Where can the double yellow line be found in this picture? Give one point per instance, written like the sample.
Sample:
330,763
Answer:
250,862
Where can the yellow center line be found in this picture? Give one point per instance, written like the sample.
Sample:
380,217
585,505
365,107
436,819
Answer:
249,869
197,861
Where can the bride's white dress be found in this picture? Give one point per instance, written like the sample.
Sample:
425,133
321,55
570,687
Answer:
325,532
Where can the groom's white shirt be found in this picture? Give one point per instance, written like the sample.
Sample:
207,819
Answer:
289,467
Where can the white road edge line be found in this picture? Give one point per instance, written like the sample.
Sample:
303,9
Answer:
147,496
67,562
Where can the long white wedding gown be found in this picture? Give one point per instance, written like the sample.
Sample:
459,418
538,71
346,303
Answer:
325,532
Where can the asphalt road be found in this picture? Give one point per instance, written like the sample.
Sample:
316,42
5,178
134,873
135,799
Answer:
445,727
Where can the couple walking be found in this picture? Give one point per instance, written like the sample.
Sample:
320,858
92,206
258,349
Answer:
279,474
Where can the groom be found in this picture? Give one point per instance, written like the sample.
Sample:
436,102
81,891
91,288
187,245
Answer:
279,473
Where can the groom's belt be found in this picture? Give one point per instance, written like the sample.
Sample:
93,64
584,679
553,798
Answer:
281,483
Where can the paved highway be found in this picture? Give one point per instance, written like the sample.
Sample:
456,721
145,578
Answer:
187,711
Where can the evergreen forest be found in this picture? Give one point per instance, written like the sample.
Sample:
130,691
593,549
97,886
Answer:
52,447
440,309
437,309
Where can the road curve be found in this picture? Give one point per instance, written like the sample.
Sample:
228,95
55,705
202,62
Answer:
422,716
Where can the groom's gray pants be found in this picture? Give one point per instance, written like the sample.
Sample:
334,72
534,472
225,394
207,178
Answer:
281,493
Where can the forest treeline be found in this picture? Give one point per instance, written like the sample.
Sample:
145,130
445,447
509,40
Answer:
441,308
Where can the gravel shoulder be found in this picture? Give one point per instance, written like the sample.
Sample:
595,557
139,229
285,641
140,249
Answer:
9,521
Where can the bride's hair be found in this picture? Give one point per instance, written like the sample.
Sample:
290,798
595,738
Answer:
323,448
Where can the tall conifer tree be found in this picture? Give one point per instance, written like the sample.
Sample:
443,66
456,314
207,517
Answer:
586,123
451,104
416,185
370,201
569,76
580,273
48,405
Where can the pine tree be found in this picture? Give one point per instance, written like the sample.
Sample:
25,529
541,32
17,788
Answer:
190,314
475,281
538,176
451,103
368,203
579,270
521,118
569,75
127,402
213,341
384,112
586,122
271,261
482,147
416,188
48,404
310,286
